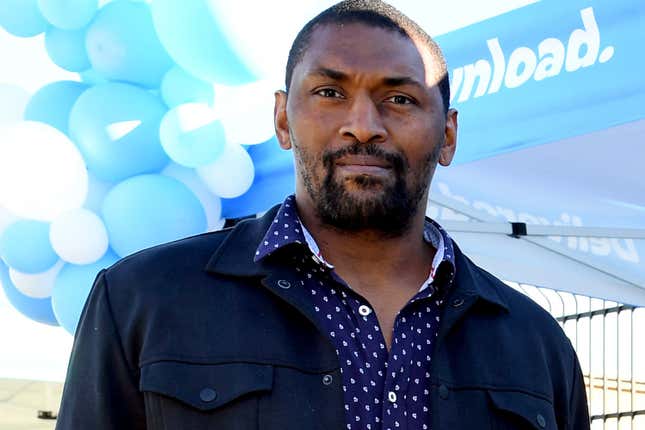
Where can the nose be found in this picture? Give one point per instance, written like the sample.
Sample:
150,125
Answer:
364,122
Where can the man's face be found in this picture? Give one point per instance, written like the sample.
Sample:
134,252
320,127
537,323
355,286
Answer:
365,119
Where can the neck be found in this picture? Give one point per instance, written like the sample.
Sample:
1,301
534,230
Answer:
377,256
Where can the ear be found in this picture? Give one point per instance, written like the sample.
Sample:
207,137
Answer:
450,138
280,120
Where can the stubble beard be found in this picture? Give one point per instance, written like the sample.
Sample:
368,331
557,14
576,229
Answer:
388,212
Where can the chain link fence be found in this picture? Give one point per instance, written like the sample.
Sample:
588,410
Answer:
609,340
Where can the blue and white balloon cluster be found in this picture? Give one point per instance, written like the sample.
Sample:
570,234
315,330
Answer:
168,131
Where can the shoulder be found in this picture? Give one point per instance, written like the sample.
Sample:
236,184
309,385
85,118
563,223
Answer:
522,320
184,267
517,302
524,336
185,254
505,329
152,282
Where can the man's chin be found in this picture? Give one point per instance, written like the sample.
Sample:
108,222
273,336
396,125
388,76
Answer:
365,184
362,208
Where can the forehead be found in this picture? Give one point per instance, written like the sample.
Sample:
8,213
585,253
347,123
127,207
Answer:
360,49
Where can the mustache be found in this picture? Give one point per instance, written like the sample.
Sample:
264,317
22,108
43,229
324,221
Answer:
396,160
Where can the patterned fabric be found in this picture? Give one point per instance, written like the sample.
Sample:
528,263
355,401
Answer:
382,389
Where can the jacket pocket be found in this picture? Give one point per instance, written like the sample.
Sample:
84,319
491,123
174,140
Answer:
519,410
181,395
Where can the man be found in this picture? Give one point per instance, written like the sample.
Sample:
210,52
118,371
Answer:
344,307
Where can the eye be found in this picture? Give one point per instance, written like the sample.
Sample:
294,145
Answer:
329,93
400,100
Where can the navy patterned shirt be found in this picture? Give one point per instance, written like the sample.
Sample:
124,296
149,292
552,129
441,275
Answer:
383,389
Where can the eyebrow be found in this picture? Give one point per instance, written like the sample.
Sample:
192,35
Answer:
330,73
390,81
399,81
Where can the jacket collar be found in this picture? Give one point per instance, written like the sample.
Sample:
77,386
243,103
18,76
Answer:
235,257
473,281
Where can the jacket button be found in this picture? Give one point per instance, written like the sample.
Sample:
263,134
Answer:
327,379
457,302
541,421
443,391
284,284
208,395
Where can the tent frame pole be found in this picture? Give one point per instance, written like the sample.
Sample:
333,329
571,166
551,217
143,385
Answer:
490,224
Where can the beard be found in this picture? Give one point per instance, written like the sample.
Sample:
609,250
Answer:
386,207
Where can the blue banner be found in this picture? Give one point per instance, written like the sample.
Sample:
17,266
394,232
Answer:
545,72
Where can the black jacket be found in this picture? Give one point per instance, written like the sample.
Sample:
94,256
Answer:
194,335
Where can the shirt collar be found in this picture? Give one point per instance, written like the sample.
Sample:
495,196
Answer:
235,248
286,229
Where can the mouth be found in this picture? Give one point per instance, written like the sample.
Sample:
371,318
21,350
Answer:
363,165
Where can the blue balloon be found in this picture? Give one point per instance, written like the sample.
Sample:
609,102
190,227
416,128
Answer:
263,194
194,40
96,192
274,181
52,103
68,14
122,44
39,310
116,128
24,246
270,159
92,77
148,210
66,48
72,287
22,18
178,87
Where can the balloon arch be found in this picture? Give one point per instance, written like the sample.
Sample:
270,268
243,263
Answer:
167,132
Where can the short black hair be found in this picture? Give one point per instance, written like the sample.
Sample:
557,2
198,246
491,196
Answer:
374,13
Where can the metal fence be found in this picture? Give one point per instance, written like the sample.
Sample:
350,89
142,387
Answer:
608,338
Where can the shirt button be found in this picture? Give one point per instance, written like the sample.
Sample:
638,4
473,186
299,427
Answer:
391,396
457,302
443,391
207,395
284,284
364,310
541,421
327,379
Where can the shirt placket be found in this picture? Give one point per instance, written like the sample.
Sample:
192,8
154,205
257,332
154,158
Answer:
406,402
395,385
364,345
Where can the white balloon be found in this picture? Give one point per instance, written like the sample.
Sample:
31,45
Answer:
190,134
13,100
42,173
6,218
79,236
212,204
36,285
231,175
246,111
